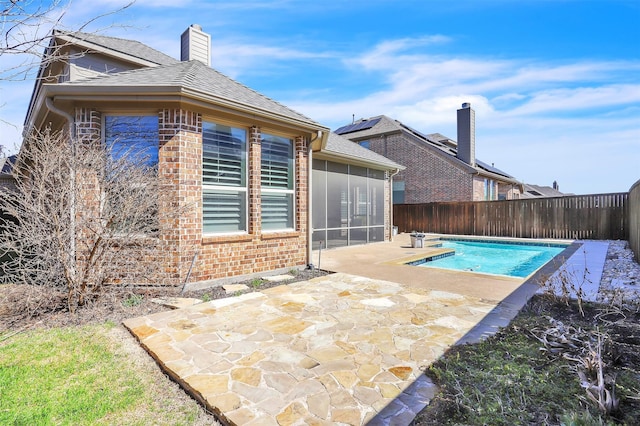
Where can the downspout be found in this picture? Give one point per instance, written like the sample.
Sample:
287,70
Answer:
66,115
72,220
391,204
310,199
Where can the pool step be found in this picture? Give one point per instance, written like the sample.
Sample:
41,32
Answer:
432,243
435,255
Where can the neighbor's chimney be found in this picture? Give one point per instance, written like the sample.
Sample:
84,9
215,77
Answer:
467,134
195,44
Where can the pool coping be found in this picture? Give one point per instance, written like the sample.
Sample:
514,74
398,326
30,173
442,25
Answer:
507,309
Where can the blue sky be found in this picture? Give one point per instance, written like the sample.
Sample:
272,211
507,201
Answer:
555,84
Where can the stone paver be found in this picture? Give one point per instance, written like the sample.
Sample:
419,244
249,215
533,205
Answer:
337,349
234,288
176,302
278,278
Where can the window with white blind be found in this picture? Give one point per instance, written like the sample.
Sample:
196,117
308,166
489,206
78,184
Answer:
277,180
224,179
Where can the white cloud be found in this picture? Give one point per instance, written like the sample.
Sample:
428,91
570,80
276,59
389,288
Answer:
572,122
386,55
580,98
236,57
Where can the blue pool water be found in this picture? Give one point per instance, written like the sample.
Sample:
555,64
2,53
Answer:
515,260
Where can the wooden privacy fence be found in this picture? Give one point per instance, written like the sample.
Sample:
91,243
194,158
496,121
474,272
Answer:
597,217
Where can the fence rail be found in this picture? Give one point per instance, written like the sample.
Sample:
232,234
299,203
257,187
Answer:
596,217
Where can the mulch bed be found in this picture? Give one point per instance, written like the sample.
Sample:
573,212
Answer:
24,307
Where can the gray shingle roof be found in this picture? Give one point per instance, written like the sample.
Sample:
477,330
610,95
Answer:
435,140
195,76
539,191
340,145
124,46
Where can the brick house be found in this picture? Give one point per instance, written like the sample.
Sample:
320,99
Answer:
437,168
6,166
238,162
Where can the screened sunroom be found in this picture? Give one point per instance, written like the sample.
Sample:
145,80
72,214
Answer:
350,195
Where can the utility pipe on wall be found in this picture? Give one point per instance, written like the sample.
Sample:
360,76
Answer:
391,204
309,198
72,220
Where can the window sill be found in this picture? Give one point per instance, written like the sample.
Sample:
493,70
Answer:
279,234
238,238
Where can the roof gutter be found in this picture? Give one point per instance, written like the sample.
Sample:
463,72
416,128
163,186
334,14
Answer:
181,94
72,128
359,161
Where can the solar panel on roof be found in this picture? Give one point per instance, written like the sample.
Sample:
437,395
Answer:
356,127
491,168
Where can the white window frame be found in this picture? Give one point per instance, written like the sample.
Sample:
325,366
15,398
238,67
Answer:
226,188
289,192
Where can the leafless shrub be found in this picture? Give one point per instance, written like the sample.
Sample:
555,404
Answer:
567,284
585,350
79,220
599,387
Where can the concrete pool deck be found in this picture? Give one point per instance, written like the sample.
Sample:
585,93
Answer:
384,261
347,348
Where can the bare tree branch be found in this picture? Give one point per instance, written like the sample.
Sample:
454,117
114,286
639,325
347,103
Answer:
79,220
26,30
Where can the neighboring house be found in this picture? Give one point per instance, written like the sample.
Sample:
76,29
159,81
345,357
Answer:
538,191
437,168
237,162
6,177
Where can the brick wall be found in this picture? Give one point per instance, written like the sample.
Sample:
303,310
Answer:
225,256
509,191
88,125
180,200
478,189
180,174
428,177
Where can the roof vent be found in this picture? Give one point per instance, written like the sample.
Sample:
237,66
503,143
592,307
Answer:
195,44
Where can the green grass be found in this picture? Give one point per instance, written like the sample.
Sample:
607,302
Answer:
499,382
77,376
256,282
508,380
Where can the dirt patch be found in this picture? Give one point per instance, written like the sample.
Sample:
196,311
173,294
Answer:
24,307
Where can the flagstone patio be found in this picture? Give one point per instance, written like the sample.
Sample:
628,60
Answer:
338,349
347,348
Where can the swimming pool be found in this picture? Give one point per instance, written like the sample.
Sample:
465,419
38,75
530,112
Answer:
498,258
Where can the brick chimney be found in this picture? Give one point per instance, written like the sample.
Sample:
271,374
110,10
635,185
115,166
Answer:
467,134
195,44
